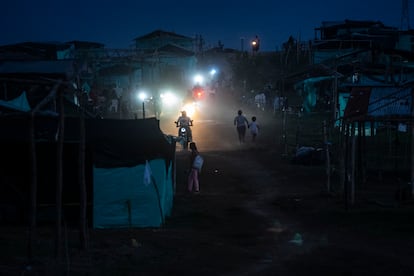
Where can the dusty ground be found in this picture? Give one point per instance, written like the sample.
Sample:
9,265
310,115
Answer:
257,214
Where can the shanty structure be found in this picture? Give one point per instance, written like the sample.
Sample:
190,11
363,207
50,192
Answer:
377,145
60,164
133,173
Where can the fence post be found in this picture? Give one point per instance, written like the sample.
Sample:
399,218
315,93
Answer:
328,159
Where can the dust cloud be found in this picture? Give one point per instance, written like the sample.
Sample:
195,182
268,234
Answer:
213,128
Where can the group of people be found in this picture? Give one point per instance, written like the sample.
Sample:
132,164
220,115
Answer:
241,123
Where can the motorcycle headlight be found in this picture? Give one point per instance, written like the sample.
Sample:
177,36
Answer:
183,129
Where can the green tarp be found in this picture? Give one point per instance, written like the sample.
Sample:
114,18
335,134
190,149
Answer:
123,197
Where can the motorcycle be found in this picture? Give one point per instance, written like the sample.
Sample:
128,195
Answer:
184,134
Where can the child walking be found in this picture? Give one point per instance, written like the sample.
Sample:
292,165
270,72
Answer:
193,183
254,128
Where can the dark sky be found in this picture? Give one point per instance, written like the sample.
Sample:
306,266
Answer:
117,23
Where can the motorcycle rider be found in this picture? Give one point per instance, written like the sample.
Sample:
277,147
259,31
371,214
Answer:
185,121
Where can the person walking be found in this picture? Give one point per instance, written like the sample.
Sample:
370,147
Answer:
254,128
241,122
193,183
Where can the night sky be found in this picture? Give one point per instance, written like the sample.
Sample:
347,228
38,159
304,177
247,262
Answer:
117,23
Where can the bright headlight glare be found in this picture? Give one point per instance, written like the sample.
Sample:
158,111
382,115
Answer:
190,109
168,98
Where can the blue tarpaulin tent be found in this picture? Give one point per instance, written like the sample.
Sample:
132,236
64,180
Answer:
132,174
129,168
123,198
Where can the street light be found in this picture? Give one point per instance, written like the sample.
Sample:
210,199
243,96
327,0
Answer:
256,44
198,79
142,96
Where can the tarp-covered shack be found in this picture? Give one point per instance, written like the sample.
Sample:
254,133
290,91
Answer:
127,166
133,173
129,169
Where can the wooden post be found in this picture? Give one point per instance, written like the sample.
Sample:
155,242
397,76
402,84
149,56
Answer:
328,159
285,154
342,156
346,166
412,158
335,100
363,150
59,177
33,167
174,166
353,166
82,180
412,142
33,188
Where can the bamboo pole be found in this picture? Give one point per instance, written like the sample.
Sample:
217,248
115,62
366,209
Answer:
335,100
412,143
346,166
59,178
284,126
342,157
353,166
363,150
33,171
33,188
328,159
82,180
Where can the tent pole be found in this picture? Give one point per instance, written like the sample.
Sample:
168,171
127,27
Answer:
33,166
59,177
159,199
82,181
33,188
328,160
346,166
412,143
353,165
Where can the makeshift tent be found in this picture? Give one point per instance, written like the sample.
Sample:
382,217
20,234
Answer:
133,173
125,197
117,154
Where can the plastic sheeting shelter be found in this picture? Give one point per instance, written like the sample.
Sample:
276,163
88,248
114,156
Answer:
20,103
132,174
118,189
132,196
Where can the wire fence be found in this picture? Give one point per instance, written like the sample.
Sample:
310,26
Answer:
377,161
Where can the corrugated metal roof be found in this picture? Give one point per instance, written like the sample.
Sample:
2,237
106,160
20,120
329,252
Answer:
312,71
64,67
177,50
161,33
385,101
367,103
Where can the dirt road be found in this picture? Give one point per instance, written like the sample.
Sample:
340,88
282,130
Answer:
257,214
260,215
